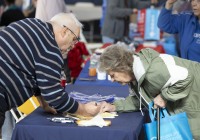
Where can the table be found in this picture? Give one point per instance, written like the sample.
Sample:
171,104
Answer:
96,2
102,90
36,126
85,74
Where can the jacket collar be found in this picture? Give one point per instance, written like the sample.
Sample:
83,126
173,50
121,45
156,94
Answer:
140,72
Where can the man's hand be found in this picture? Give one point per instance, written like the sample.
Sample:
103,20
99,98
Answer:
88,109
159,102
154,1
135,11
169,3
49,109
45,105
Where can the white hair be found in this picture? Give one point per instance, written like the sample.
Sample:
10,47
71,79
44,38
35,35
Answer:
66,19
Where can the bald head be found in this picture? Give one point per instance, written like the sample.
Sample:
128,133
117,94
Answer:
66,19
66,28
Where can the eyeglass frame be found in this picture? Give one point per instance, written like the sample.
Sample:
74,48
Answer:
77,38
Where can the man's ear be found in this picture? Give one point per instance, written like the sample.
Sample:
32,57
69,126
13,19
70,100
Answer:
63,32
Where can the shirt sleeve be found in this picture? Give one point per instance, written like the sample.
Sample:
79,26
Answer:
169,22
116,11
129,104
177,91
52,91
48,76
172,81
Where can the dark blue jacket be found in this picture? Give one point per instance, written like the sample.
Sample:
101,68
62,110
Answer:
187,26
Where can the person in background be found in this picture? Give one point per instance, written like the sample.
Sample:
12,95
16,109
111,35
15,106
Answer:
2,3
116,21
2,6
45,10
31,64
11,13
168,81
30,11
76,59
103,9
186,25
148,3
22,3
115,17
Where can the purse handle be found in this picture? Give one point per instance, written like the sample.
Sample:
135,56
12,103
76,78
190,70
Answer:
153,111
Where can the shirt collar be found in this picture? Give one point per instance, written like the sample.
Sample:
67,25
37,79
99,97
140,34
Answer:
50,28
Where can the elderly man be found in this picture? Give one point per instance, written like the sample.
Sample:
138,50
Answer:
31,59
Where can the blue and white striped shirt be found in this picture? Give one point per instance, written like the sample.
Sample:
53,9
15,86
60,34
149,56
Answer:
30,57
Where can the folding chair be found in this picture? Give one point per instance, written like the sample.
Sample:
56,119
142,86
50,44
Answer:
29,106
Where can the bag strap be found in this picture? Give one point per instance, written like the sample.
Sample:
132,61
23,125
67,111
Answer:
151,115
165,113
152,112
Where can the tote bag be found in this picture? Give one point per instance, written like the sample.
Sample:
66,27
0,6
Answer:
172,127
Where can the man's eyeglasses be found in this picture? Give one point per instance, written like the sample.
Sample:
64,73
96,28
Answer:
76,39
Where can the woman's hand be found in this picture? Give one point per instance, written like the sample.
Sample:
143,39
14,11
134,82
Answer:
106,107
159,102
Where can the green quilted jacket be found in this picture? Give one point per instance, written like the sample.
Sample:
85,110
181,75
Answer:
176,79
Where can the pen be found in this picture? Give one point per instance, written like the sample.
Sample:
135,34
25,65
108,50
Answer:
61,120
87,79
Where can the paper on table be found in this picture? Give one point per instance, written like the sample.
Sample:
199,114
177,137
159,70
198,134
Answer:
96,121
104,115
109,115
